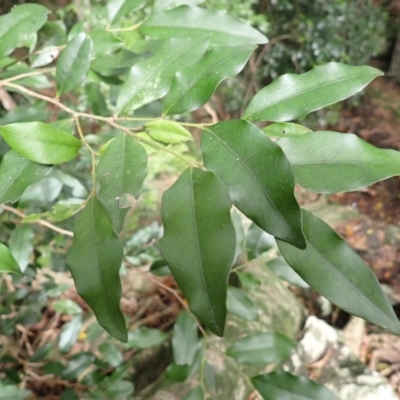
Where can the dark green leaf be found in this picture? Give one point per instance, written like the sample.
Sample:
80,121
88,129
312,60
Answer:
116,9
177,373
195,394
142,338
282,269
94,259
292,96
111,354
41,142
7,261
193,86
96,99
19,24
284,386
330,162
282,129
41,352
16,174
261,349
73,63
169,132
258,241
77,365
333,269
69,334
121,170
185,21
257,176
69,394
21,245
185,339
151,79
199,243
239,304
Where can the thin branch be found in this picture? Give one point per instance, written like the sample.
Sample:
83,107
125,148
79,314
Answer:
32,73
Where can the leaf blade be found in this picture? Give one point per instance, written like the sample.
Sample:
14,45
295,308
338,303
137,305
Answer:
7,261
200,235
332,268
169,132
292,96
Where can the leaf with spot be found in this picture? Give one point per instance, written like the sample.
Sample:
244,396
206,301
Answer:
199,243
121,170
94,260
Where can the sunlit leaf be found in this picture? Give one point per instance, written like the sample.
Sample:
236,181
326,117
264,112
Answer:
199,243
258,241
7,261
240,305
94,260
142,338
111,354
168,132
282,129
332,268
69,334
21,245
116,9
292,96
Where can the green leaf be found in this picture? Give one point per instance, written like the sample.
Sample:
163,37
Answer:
283,386
73,63
292,96
240,305
282,129
16,174
21,245
151,79
121,170
333,269
116,9
8,392
185,21
96,100
257,176
199,243
261,349
193,86
185,339
143,338
111,354
331,162
195,394
69,334
119,390
41,193
17,26
160,268
104,42
282,269
168,132
258,241
77,364
40,142
66,306
7,261
239,233
94,260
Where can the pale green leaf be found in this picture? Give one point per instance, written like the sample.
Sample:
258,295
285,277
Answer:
111,354
257,176
20,244
116,9
331,162
143,338
40,142
7,261
73,63
292,96
195,394
168,132
258,241
193,86
333,269
121,170
94,260
186,21
199,243
240,305
151,79
16,174
282,129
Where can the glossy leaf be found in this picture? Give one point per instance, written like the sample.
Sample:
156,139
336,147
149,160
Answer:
193,86
282,129
195,394
333,269
73,63
150,79
143,338
240,305
7,261
331,162
282,269
185,339
40,142
16,174
121,170
18,25
116,9
257,176
282,385
21,245
185,21
169,132
261,349
69,334
258,241
199,243
292,96
94,260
